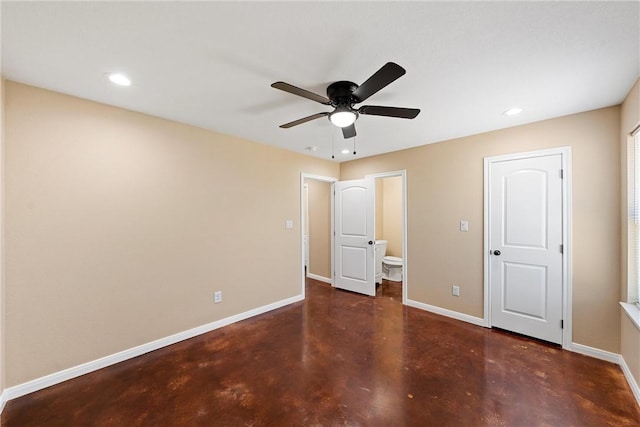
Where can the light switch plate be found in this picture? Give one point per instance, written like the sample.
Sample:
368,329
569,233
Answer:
288,223
464,225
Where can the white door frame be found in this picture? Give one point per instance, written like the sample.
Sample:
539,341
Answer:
303,220
304,225
567,292
405,255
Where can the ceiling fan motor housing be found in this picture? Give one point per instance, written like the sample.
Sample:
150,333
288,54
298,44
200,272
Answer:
341,93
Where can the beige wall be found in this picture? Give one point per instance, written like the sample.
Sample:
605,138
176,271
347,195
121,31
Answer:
630,335
120,227
392,224
445,185
305,208
630,346
2,334
319,228
629,120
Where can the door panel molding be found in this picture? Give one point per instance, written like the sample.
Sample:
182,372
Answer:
567,294
354,233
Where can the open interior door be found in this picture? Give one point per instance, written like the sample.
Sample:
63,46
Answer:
354,222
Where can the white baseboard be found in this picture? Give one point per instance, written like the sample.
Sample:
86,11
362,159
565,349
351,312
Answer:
613,358
76,371
319,278
630,379
574,347
595,352
3,400
448,313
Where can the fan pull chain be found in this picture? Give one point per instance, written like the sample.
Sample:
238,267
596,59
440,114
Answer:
354,145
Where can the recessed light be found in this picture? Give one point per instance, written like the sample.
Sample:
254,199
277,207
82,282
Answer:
119,79
345,151
512,111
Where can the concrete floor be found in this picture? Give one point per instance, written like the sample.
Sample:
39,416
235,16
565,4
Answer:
342,359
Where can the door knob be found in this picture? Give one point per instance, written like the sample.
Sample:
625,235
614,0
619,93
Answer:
497,253
371,242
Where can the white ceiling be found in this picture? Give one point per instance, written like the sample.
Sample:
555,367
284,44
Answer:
210,64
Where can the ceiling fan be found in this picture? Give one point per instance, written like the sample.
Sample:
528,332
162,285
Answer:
343,95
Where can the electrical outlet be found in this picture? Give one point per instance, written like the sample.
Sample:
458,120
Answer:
455,290
217,297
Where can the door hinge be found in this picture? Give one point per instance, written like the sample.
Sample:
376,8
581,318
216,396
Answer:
561,173
562,324
561,249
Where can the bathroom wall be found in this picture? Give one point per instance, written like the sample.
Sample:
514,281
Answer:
379,209
445,185
319,228
392,207
389,213
120,226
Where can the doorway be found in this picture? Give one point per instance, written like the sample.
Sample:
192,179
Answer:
527,282
316,221
304,220
388,234
391,218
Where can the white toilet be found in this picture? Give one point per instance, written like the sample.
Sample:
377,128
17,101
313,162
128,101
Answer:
381,251
392,268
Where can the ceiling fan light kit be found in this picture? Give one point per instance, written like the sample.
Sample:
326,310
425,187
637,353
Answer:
342,95
343,116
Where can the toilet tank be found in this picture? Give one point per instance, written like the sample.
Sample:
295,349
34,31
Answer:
380,250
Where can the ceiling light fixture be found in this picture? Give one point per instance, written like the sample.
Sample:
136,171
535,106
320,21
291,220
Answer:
119,79
343,116
345,151
512,111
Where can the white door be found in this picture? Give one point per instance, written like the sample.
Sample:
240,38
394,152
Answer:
354,206
525,242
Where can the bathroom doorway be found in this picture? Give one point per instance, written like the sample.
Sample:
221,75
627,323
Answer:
311,265
390,211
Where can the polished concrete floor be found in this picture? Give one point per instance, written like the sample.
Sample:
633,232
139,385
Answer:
340,359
